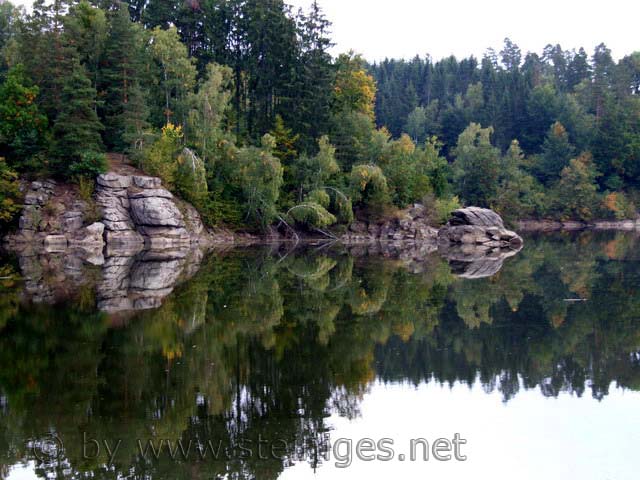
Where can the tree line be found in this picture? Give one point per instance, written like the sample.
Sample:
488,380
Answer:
240,108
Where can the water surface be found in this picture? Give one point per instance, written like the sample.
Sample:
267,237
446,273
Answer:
271,357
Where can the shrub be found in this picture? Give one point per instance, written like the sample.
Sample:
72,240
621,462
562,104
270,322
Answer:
90,165
9,194
160,158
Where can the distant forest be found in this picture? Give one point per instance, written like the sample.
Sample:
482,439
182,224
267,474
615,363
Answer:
240,108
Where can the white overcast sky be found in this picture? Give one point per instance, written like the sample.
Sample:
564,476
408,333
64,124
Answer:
404,28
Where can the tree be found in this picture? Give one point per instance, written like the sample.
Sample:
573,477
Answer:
260,179
556,153
285,142
22,126
9,29
77,128
85,29
177,73
369,189
209,106
476,166
416,125
576,194
124,109
518,194
314,89
355,89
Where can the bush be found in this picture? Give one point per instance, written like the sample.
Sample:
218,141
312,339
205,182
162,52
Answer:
439,209
369,188
160,158
86,187
90,165
9,194
618,206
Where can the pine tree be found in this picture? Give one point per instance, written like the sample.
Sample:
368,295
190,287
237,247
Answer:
124,108
556,153
77,128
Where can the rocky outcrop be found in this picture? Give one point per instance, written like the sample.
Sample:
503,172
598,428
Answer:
138,213
135,213
54,220
478,226
410,226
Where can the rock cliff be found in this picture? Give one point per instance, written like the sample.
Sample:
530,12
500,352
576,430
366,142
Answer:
134,213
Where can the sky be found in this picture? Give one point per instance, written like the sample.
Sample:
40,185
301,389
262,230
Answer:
405,28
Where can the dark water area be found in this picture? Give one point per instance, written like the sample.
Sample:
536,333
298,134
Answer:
256,363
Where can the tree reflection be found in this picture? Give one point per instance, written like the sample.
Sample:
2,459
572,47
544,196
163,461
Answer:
258,347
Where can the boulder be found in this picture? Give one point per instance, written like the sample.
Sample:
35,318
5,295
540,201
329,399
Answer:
156,211
478,226
113,180
481,217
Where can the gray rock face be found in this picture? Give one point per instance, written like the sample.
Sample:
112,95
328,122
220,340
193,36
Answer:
136,211
478,226
156,211
146,182
481,217
113,180
152,192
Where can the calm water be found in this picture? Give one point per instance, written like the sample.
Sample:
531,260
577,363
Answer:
265,363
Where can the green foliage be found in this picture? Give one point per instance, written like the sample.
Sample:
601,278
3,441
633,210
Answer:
160,157
439,209
86,188
77,128
260,178
208,107
9,194
575,195
177,74
355,89
476,166
285,142
22,126
556,153
320,197
90,165
312,215
519,195
191,179
369,189
121,75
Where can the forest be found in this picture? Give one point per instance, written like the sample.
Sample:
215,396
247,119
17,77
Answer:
241,109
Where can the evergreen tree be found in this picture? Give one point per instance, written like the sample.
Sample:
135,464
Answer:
556,153
124,102
76,130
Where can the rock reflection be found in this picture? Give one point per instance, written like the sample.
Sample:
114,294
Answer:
267,343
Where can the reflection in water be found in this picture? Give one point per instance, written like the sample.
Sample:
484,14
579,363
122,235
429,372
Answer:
264,345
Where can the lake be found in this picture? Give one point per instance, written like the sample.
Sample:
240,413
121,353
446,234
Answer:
324,362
